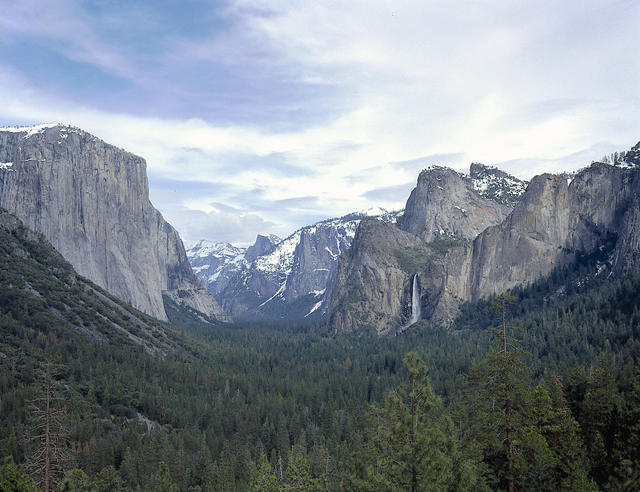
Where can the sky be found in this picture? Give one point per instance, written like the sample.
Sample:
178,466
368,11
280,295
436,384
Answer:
264,116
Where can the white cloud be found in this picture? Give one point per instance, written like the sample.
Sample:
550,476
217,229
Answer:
516,82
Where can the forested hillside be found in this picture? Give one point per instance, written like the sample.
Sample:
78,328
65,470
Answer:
203,406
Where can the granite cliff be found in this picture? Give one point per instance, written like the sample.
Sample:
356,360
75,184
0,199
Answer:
549,225
91,201
373,277
445,202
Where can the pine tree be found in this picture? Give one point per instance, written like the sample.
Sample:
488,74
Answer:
75,481
298,477
626,476
225,480
12,479
411,446
129,468
599,420
506,395
109,480
205,469
263,480
562,433
49,453
162,481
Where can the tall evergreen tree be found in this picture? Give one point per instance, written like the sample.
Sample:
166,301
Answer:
162,481
411,445
298,477
109,480
600,413
49,453
76,481
263,480
13,479
501,420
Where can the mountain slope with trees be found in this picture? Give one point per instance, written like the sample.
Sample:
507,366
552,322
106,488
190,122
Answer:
230,407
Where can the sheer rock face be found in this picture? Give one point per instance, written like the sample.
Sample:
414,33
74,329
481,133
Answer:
91,201
262,246
444,206
627,252
445,203
372,288
549,225
526,244
547,228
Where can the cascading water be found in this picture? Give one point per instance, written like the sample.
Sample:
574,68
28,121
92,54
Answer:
415,305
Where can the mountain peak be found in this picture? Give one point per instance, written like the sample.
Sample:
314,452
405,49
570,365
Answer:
446,203
495,184
263,245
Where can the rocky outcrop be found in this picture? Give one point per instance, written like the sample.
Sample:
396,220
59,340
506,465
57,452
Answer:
495,184
444,210
372,284
526,244
292,279
550,224
91,201
627,251
445,202
216,263
548,227
262,246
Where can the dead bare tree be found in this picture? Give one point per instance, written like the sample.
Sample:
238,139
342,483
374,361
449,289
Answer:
48,454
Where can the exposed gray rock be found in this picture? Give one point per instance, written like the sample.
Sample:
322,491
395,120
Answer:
372,286
103,318
215,264
444,202
91,201
550,224
262,246
295,278
495,184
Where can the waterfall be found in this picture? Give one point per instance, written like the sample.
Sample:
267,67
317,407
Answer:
415,301
415,305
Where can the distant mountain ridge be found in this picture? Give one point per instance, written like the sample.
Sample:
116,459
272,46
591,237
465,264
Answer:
91,201
217,263
295,277
291,278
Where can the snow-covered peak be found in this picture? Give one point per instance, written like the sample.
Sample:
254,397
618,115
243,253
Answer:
30,131
281,258
204,248
491,182
373,212
273,238
295,270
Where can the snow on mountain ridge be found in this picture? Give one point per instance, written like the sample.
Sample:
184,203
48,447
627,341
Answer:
281,258
495,184
205,248
298,269
35,129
